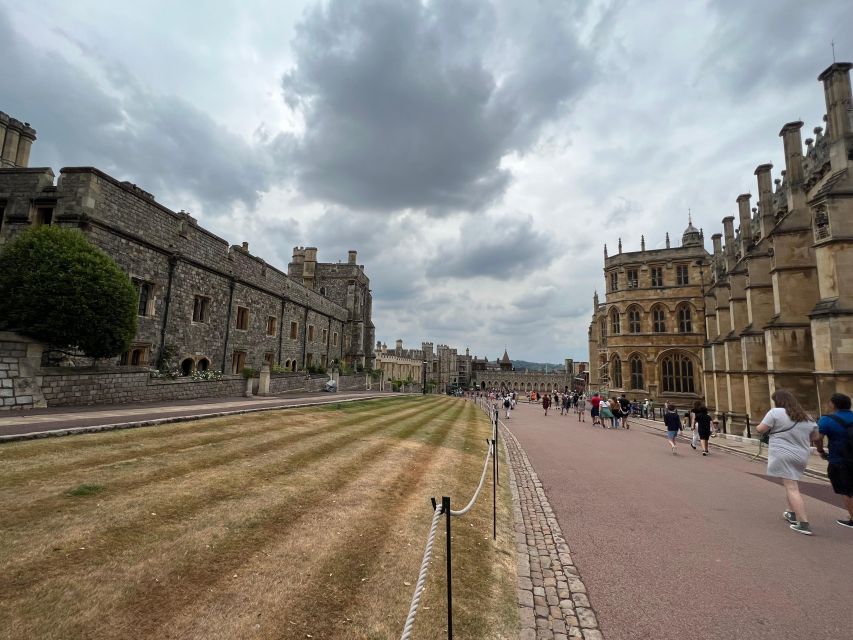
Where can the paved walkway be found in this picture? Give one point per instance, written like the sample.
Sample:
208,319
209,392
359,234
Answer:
18,425
674,547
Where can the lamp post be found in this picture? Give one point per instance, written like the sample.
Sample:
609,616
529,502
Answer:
423,387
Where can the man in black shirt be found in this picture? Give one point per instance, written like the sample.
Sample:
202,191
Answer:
625,406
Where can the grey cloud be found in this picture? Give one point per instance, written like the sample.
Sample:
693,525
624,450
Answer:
404,109
496,248
160,142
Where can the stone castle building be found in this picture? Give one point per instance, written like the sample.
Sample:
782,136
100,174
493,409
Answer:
503,376
776,294
646,337
443,367
214,305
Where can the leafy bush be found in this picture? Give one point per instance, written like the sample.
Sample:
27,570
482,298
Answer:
248,372
58,288
210,374
277,368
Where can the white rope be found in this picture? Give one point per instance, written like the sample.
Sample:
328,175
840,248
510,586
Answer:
419,587
468,507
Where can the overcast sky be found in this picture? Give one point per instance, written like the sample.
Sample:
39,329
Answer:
477,154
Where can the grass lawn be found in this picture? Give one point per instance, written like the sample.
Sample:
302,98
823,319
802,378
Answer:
305,523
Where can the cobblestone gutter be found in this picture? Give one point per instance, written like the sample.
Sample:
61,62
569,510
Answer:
552,598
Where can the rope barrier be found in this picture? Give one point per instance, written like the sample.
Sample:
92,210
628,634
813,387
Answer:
468,507
419,587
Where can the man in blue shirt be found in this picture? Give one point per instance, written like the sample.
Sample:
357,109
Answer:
835,428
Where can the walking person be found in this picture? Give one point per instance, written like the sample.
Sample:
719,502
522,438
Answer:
791,432
625,407
507,405
673,425
837,428
546,403
580,407
604,413
594,404
702,421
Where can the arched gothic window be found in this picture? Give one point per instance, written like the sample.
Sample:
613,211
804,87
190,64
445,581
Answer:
659,319
637,381
685,319
634,320
616,372
615,324
677,374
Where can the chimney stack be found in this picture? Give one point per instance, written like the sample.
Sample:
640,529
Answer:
793,144
352,256
729,232
765,198
745,222
836,89
246,246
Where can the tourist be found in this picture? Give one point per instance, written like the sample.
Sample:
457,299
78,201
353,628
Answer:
837,427
546,402
791,431
604,413
507,405
651,409
616,410
625,406
673,425
580,407
702,421
594,404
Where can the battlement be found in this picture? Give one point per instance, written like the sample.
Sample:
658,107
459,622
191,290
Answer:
16,140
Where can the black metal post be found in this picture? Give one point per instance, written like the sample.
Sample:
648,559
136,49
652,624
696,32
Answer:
497,475
494,491
445,507
748,433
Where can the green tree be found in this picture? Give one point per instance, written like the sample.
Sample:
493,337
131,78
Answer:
58,288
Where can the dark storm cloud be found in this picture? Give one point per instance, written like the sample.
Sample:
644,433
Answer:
775,44
495,248
160,142
409,105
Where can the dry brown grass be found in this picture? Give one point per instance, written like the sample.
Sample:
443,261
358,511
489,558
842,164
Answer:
291,524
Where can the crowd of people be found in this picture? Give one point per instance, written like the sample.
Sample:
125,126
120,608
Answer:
787,428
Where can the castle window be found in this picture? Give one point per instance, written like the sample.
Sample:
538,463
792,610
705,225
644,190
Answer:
322,291
238,362
310,333
614,281
335,339
325,335
187,366
294,330
636,363
682,275
659,319
144,301
271,325
616,372
685,319
201,309
615,324
634,320
136,356
202,365
43,216
602,327
242,318
309,360
269,356
633,281
677,374
657,276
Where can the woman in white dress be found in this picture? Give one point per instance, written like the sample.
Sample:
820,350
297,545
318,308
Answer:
791,431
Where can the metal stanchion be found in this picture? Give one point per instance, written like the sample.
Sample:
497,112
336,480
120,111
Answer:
748,433
494,490
445,507
496,447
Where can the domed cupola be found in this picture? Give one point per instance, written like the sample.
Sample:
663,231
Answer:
691,237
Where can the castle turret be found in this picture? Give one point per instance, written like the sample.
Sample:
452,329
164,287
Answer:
836,89
16,140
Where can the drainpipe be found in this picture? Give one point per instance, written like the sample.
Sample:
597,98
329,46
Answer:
280,331
228,322
173,263
304,337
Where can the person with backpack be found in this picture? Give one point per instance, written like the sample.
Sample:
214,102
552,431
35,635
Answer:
791,432
673,425
546,402
837,428
507,405
702,423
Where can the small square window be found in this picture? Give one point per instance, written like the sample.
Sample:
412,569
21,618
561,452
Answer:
657,276
310,333
271,325
294,330
145,298
335,339
325,335
632,279
238,362
269,357
242,318
201,309
682,274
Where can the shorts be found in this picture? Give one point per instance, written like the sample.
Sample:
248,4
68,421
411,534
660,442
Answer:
594,412
841,485
704,433
672,435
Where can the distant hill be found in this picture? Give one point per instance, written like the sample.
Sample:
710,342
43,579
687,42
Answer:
521,365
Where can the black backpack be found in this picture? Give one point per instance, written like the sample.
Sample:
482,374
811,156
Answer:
506,403
847,449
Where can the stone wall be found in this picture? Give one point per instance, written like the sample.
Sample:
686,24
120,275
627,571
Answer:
19,360
63,386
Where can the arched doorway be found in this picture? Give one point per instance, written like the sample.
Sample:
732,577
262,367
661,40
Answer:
187,366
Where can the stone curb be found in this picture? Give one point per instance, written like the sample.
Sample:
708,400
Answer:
552,600
170,419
